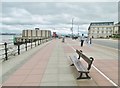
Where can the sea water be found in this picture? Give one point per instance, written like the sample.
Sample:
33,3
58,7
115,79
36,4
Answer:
9,39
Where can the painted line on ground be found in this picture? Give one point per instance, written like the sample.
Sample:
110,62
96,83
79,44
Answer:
105,76
98,70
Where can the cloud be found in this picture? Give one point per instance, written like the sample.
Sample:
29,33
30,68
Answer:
60,1
22,17
19,16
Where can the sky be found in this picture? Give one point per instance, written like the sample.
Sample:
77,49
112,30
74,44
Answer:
55,16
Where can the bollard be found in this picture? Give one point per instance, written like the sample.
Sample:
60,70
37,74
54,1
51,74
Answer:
6,49
18,48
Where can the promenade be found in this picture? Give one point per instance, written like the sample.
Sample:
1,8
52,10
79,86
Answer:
49,65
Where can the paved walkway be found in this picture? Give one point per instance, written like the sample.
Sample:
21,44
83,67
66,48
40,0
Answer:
50,66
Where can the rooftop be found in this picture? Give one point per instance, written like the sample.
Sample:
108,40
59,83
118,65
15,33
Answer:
101,23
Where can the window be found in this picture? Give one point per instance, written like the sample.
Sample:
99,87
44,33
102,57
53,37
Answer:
98,31
106,31
110,31
102,31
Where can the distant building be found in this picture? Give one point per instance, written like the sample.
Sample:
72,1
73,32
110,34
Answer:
116,29
32,36
36,33
36,28
54,34
100,29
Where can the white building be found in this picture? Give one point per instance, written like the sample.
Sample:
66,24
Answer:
116,29
100,29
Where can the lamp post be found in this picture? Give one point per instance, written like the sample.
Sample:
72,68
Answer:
78,30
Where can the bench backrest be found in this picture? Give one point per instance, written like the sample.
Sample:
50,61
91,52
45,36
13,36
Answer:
88,60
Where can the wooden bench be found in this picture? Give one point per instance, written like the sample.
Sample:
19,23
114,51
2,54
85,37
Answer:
79,65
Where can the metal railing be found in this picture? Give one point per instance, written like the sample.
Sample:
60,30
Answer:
9,49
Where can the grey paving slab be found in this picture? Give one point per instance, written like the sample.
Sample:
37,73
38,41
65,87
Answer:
50,78
58,71
68,83
49,84
66,77
86,83
51,71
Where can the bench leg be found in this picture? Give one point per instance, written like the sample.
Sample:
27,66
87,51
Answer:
87,75
80,77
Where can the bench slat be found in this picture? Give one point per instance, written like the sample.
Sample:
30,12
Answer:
86,59
83,56
79,66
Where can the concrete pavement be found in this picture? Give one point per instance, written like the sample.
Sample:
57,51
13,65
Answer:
49,65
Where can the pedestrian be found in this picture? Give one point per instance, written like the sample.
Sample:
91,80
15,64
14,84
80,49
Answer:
90,40
82,40
63,39
87,40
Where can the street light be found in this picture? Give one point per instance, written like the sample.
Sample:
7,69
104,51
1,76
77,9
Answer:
78,30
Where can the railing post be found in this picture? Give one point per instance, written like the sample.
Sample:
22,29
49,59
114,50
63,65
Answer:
31,43
18,48
43,40
46,39
35,42
26,44
6,49
40,41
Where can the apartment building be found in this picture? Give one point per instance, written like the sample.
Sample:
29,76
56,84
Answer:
101,29
116,29
36,33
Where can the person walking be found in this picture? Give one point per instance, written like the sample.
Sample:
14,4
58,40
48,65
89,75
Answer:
82,40
63,39
87,40
90,40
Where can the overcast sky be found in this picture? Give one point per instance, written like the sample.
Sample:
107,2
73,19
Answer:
17,16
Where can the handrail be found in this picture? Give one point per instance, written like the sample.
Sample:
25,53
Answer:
10,49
